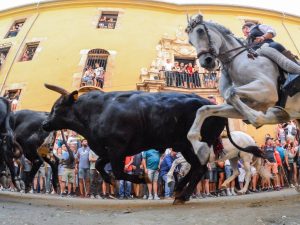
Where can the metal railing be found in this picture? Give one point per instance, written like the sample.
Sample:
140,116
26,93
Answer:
190,81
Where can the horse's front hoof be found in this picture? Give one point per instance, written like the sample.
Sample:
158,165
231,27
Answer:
178,201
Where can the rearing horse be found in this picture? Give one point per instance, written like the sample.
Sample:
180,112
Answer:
248,84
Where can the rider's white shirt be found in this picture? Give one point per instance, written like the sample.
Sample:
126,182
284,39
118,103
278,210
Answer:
265,29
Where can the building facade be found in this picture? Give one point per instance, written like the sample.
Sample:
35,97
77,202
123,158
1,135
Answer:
56,42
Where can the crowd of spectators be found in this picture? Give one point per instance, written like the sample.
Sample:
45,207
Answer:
93,77
79,177
183,75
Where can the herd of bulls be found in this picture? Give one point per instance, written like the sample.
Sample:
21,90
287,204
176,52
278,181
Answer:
116,125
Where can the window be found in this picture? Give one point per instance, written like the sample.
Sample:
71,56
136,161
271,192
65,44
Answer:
94,71
108,20
3,53
29,51
15,28
13,97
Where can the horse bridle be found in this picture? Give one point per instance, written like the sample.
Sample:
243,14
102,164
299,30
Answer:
222,56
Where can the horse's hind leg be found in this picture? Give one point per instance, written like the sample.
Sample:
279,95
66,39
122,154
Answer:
235,172
247,176
229,155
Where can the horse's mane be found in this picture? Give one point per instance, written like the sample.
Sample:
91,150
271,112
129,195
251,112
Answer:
223,30
193,22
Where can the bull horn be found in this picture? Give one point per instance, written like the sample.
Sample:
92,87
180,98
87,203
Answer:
57,89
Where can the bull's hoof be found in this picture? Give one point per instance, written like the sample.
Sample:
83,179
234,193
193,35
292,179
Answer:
178,201
177,194
241,193
27,189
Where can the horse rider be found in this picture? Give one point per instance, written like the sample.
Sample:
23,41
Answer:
259,34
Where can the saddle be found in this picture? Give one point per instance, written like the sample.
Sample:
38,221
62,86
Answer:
287,86
292,83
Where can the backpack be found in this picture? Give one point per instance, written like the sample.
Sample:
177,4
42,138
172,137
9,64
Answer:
281,153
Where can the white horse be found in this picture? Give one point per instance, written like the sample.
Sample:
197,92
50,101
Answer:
233,154
248,85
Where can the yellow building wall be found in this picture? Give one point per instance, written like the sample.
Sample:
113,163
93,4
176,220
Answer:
66,29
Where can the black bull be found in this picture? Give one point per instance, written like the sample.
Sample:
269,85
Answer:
120,124
8,148
29,134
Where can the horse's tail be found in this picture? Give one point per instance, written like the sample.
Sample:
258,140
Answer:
250,149
261,170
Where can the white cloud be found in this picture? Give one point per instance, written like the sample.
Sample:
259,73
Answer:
286,6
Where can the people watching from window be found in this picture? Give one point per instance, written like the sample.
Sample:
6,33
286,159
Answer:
99,75
2,59
93,77
89,77
26,56
107,22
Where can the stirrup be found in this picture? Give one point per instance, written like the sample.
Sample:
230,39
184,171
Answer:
292,84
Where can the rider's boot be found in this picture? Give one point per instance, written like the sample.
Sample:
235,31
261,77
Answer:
291,56
291,85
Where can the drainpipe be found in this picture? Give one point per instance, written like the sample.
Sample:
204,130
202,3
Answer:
19,49
290,36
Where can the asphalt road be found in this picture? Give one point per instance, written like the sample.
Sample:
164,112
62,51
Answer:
277,207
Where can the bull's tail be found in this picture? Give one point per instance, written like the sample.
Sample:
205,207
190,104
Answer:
250,149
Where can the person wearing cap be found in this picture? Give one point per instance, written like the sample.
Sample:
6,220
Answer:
259,34
271,164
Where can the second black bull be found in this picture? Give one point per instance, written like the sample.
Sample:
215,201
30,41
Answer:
119,124
30,136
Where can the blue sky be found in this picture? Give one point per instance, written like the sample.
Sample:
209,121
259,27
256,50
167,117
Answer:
286,6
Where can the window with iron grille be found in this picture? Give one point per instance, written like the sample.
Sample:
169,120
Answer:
95,67
29,51
15,28
3,53
108,20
